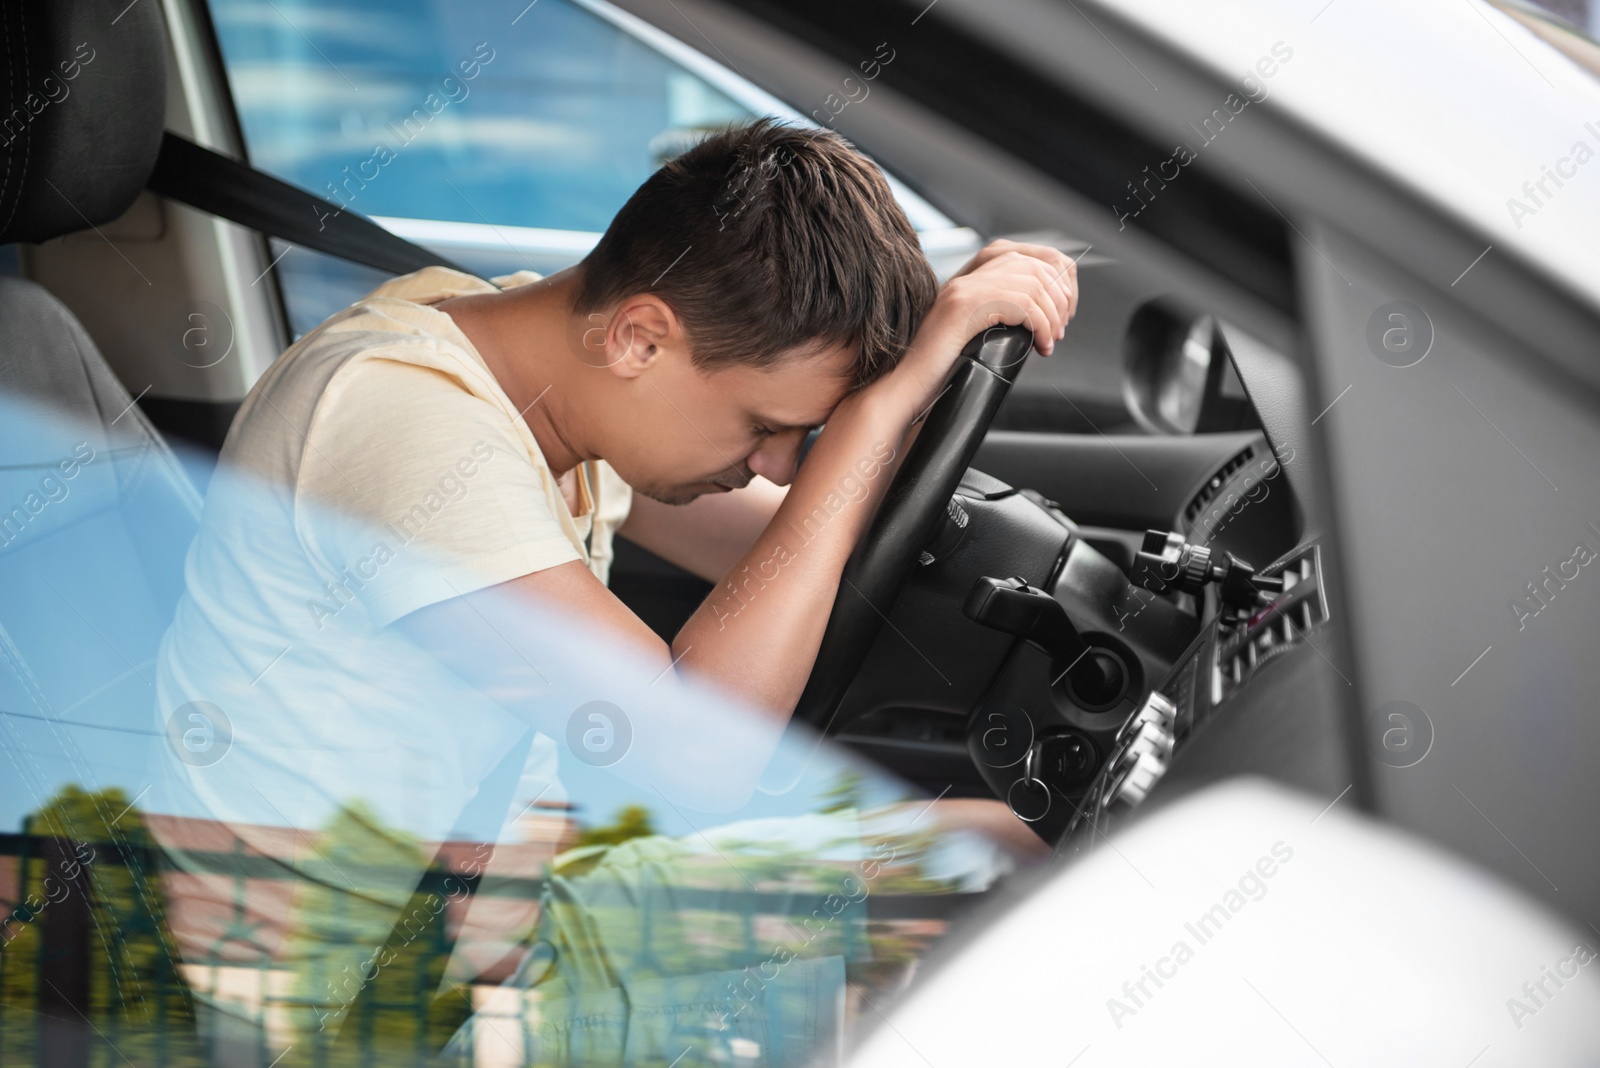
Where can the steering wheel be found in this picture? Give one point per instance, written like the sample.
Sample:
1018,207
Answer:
910,514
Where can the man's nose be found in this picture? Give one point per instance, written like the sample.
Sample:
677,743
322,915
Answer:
778,458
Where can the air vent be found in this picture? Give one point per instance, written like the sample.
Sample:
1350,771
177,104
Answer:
1214,485
1274,629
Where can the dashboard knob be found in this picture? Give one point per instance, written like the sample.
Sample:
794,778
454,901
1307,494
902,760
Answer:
1144,747
1134,783
1156,709
1156,739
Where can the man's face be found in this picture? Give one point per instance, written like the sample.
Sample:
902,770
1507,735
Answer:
688,432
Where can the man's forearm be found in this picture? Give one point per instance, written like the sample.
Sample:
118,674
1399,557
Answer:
757,634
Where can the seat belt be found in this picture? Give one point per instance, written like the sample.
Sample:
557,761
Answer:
228,189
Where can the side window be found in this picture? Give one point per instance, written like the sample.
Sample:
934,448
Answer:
505,136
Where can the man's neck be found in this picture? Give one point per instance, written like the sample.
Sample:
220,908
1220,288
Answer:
523,336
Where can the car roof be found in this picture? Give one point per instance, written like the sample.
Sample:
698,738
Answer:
1458,102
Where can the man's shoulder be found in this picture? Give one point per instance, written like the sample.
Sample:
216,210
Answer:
360,360
401,314
377,339
396,324
433,284
358,369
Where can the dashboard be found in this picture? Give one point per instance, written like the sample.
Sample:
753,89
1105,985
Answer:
1219,670
947,693
1034,655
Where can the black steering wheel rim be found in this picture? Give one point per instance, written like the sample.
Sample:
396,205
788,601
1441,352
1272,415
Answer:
910,514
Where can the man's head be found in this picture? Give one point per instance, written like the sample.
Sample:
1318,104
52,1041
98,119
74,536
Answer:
744,290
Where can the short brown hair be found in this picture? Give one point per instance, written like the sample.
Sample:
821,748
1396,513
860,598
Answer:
764,239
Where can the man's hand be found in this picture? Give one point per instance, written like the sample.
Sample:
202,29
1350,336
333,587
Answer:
1007,283
1052,257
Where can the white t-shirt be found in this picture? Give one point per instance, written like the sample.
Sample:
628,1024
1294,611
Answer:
376,468
387,413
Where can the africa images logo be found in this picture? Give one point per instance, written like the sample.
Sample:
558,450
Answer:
599,733
199,733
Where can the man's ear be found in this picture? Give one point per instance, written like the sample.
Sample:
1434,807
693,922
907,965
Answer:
641,328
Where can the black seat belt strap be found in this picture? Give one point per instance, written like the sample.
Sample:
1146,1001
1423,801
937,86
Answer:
235,191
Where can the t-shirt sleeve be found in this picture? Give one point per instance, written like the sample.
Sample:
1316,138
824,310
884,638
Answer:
412,490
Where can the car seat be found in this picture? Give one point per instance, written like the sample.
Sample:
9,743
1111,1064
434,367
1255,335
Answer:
96,512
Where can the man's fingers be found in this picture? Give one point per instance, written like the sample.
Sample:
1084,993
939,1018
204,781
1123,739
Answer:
1061,287
1021,307
1048,254
1065,272
1035,283
1055,291
986,254
1068,276
1062,268
1047,296
1043,326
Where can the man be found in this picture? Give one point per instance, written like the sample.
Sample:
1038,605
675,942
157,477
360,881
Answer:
445,455
761,285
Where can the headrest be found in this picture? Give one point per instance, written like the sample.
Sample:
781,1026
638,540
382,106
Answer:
83,98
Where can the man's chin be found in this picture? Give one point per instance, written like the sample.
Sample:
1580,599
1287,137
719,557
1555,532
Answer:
677,494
